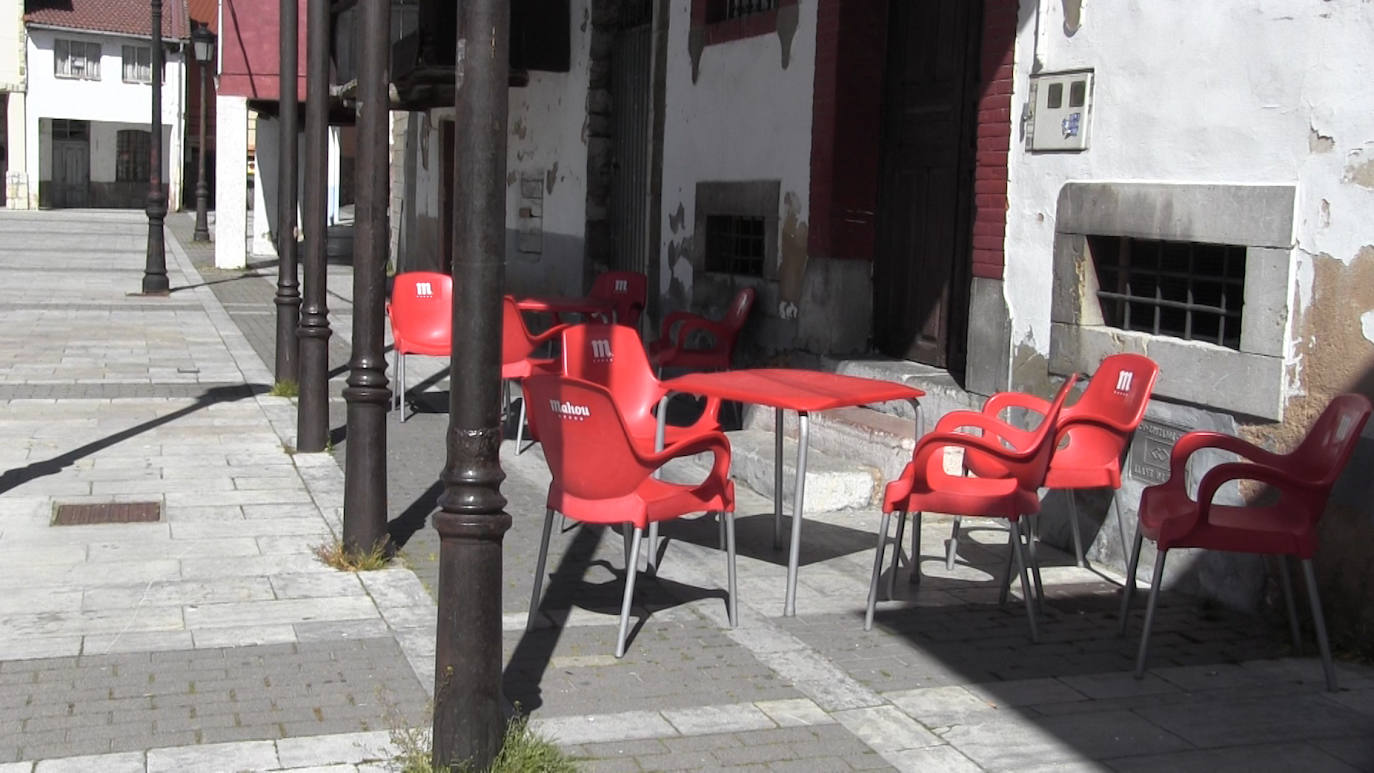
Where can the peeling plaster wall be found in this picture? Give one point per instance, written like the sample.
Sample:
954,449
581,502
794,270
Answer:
1287,104
744,114
548,141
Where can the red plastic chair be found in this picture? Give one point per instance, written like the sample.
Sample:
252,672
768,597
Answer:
518,346
1010,491
421,313
673,349
627,290
1302,480
1092,435
602,476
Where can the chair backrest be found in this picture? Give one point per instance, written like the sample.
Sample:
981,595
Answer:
516,341
584,438
613,356
421,310
1030,473
735,319
628,290
1327,447
1112,405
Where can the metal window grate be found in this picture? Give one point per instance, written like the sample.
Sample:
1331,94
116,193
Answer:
107,512
131,155
735,244
66,129
1183,289
735,9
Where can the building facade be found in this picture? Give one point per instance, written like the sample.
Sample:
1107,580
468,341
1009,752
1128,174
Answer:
13,96
89,103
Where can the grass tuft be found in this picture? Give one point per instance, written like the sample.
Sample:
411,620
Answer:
336,555
285,388
522,750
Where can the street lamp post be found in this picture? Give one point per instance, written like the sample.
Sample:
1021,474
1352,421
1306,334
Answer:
203,41
288,298
155,265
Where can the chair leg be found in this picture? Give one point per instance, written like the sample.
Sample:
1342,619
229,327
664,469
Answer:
1079,556
1129,587
727,517
401,383
1286,583
1011,562
1033,553
896,555
651,560
877,571
520,425
539,569
1025,584
1155,582
952,547
631,569
1319,622
915,577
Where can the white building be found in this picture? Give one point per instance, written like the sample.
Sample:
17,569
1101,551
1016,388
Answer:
89,102
12,95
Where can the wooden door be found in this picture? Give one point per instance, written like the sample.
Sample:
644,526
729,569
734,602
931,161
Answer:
925,197
631,97
71,173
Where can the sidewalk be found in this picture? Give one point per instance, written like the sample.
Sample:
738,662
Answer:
213,640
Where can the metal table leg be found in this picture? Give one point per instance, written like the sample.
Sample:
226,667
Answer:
789,607
777,478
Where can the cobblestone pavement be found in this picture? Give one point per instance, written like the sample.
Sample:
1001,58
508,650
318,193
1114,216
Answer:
212,640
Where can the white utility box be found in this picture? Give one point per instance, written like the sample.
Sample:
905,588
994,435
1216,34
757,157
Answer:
1061,110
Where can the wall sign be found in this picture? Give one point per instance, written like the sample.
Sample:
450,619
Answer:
1149,458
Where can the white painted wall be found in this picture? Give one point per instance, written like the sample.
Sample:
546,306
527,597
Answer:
231,182
109,99
11,45
1241,92
745,118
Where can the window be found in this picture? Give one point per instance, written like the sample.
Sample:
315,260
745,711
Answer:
722,10
735,244
1182,289
138,64
131,155
76,59
64,129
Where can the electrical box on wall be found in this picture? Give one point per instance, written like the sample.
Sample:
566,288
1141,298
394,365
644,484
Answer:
1061,109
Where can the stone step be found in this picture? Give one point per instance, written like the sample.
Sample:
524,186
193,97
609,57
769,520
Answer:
832,483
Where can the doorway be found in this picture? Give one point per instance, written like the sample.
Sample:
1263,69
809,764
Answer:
631,95
921,272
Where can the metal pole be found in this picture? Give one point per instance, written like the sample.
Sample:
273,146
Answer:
202,232
364,517
155,266
468,722
312,416
288,298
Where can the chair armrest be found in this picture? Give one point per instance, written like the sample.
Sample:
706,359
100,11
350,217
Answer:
990,427
550,333
928,444
1196,441
1229,471
715,442
687,322
1004,400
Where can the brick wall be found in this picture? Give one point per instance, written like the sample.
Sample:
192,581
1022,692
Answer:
994,138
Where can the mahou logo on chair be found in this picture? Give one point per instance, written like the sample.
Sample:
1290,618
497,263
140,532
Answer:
424,290
570,410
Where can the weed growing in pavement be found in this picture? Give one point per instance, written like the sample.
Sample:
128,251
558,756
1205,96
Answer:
336,555
522,749
285,388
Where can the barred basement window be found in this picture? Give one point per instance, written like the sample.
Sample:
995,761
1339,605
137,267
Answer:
131,155
1183,289
735,244
723,10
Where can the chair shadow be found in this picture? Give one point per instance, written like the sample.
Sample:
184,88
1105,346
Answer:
821,542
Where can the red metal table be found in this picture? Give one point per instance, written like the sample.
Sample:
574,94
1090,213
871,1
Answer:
566,304
803,391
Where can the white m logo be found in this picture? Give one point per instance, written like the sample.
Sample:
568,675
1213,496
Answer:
1123,381
622,285
601,348
424,290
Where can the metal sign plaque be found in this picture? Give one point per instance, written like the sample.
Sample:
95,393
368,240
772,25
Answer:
1149,458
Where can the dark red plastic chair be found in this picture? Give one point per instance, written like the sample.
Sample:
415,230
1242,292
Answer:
1092,435
674,347
518,360
421,313
1287,526
1010,490
627,290
601,475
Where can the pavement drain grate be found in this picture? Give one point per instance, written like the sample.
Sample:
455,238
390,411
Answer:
107,512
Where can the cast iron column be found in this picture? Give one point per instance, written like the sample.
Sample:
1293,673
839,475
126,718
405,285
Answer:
202,232
364,518
288,298
155,266
312,415
468,723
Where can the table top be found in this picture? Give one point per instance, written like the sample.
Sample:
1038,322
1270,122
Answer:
792,388
565,304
